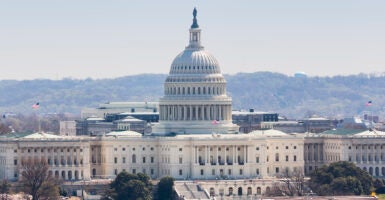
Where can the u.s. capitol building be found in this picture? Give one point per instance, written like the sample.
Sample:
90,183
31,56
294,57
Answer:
195,139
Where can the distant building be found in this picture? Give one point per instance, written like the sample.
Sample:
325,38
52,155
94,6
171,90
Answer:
149,117
120,107
250,121
67,128
94,126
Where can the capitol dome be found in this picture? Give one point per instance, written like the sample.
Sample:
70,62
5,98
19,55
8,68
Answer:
195,99
194,60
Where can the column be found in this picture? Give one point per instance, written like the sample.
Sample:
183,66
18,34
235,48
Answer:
208,149
189,114
234,152
196,113
196,154
206,153
216,158
220,113
225,158
202,112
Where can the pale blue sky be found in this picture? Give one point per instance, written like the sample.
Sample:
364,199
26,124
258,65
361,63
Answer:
104,39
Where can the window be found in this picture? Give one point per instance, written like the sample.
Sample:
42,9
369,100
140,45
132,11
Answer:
180,172
152,159
277,157
115,160
144,159
152,148
123,149
257,159
180,149
116,171
134,158
295,158
15,150
287,158
134,171
295,147
257,171
144,149
15,162
287,147
180,160
240,171
124,160
277,170
229,171
213,172
202,172
257,148
152,171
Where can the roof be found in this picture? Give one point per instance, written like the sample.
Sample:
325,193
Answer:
269,132
343,131
41,135
124,134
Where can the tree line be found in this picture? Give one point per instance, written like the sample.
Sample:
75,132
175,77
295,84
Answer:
264,91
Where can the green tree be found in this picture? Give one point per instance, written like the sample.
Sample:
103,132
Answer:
129,186
341,178
165,188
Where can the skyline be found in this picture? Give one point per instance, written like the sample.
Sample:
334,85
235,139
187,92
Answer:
96,39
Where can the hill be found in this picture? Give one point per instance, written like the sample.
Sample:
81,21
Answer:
295,97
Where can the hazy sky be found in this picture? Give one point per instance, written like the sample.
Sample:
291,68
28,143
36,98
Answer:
104,39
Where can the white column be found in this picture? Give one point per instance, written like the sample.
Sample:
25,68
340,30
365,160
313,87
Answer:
216,157
196,113
202,112
220,112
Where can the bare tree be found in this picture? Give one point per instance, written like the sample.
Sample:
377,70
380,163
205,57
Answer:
37,181
291,183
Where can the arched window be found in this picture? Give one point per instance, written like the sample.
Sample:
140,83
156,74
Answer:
230,191
199,90
204,90
240,191
93,172
249,191
63,174
183,91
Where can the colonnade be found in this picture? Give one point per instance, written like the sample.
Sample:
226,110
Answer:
195,112
220,155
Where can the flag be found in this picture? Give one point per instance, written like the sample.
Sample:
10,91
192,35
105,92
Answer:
369,103
36,105
215,122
